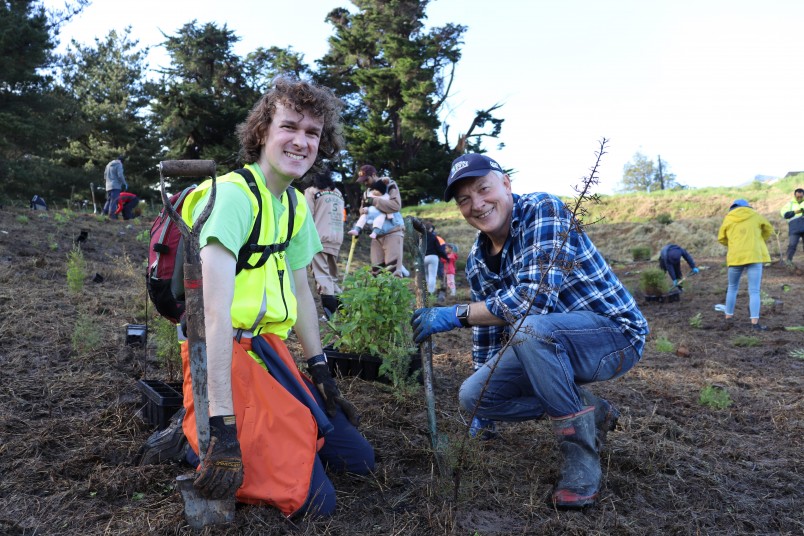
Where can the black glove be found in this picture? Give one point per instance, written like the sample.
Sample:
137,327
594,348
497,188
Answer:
789,214
325,383
221,474
368,201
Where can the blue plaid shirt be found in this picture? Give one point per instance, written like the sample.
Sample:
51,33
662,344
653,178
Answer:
561,278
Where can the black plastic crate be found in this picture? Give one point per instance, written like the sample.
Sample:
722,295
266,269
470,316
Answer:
136,334
161,400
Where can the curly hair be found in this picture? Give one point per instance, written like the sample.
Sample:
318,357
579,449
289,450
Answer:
303,97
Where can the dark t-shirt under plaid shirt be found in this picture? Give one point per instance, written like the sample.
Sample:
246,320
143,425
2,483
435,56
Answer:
548,258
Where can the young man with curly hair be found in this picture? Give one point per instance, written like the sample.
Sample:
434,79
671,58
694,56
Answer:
272,429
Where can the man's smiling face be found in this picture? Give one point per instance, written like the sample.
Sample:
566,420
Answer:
291,144
487,204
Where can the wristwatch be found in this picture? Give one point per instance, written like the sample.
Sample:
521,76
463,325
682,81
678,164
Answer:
462,312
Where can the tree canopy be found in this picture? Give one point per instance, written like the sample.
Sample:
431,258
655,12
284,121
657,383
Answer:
395,77
641,174
63,118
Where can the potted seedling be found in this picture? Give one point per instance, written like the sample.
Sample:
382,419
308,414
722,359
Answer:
654,286
370,334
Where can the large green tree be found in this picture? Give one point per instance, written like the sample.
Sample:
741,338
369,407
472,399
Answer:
642,174
395,77
203,95
32,120
111,93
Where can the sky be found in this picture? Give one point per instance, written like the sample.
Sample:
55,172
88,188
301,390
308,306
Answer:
713,87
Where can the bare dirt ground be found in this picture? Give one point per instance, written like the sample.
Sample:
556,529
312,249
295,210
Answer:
69,430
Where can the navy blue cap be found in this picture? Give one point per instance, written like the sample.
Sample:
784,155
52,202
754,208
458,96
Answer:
469,165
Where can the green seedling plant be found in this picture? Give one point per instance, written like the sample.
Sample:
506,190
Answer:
653,282
76,270
168,351
664,346
51,243
641,253
715,397
22,218
696,321
798,353
766,299
794,328
144,236
86,335
58,217
375,320
745,341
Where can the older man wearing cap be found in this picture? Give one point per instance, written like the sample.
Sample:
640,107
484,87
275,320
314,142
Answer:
386,250
536,279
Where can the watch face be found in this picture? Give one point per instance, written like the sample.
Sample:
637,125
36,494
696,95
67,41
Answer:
462,312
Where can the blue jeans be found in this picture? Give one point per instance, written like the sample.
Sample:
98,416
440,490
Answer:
111,203
754,272
540,372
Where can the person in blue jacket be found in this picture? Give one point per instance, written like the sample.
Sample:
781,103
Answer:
670,262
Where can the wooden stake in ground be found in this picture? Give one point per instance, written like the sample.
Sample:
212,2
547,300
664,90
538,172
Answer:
92,191
426,348
349,259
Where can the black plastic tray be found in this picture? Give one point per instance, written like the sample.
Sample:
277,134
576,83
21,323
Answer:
161,401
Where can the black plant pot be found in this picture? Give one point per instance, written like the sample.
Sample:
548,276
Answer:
670,297
366,367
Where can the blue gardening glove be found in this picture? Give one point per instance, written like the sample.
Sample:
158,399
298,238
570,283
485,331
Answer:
695,270
675,282
431,320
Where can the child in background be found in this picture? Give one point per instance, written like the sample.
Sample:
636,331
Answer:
449,267
378,218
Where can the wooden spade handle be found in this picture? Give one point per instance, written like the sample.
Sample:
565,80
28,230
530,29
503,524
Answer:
187,168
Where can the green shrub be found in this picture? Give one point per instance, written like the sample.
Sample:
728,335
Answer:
653,282
664,346
715,397
664,218
641,253
76,270
375,320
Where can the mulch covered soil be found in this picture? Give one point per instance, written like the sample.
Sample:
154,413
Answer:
70,429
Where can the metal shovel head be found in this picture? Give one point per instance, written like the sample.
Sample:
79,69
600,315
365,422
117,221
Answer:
200,512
